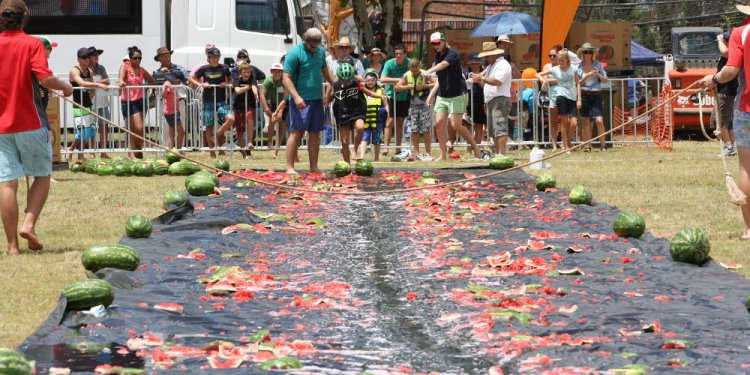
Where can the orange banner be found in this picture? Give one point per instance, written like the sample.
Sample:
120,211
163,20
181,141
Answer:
557,17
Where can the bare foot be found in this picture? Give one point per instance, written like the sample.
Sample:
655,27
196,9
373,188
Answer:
275,156
30,236
439,159
315,170
291,171
746,235
105,156
13,251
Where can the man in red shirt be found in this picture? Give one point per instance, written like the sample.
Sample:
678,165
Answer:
25,148
739,60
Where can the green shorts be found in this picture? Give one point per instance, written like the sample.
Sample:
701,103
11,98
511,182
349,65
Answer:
456,104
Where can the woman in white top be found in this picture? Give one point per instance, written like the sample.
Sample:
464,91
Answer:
567,101
554,128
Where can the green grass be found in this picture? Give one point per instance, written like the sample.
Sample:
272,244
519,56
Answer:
672,190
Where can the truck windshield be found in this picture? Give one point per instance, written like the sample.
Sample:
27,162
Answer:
263,16
703,44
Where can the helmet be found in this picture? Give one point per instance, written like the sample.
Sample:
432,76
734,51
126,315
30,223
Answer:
345,71
544,99
371,71
528,73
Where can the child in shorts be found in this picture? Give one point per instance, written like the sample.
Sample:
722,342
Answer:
349,109
84,129
171,112
376,115
244,106
419,119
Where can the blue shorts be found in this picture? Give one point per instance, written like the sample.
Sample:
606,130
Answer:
741,128
131,108
373,135
220,111
173,119
309,119
85,133
26,153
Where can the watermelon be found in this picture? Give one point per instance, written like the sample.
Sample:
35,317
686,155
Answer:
545,181
363,168
172,156
13,363
86,294
341,169
117,256
122,170
280,363
90,165
690,245
143,169
629,224
502,162
76,167
747,302
105,169
222,164
580,195
161,168
200,186
138,226
175,197
203,174
182,168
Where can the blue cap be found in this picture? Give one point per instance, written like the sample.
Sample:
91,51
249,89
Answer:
725,35
474,59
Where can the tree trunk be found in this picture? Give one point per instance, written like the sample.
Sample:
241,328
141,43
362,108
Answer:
366,38
393,15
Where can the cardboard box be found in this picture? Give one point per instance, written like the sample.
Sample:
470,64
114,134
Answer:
53,114
612,39
525,50
460,41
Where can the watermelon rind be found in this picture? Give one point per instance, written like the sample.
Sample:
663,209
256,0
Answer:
86,294
138,226
629,224
342,168
581,194
76,167
222,164
281,363
117,256
13,363
690,245
363,168
545,181
502,162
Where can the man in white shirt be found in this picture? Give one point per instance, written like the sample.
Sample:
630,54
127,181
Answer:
496,81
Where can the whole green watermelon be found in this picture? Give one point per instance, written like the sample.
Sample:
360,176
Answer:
629,224
363,168
581,195
117,256
90,165
200,186
85,294
161,168
105,169
182,168
13,363
175,197
138,226
502,162
172,156
143,169
203,174
123,170
545,181
222,164
341,169
76,167
690,245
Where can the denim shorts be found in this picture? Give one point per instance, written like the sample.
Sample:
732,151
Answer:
741,128
373,136
26,153
591,105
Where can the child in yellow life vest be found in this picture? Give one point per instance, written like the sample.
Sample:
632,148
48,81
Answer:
376,115
419,119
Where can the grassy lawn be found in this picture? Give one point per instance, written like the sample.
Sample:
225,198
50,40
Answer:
672,190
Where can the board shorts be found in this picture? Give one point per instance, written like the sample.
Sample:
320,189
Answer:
26,153
211,111
308,119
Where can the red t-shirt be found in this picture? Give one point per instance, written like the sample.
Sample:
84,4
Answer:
739,57
23,64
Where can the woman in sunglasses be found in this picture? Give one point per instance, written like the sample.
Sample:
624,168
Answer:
131,74
589,87
567,101
554,128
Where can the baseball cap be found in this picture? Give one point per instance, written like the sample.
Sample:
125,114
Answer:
277,66
242,52
83,52
48,44
437,37
213,52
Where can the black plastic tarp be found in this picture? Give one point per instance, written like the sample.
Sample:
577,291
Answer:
448,280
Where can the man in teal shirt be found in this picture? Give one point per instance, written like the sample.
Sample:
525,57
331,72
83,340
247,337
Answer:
304,70
393,70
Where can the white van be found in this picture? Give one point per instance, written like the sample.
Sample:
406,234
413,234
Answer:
266,28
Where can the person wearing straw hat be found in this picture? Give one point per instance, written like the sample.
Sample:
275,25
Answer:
376,58
451,95
592,75
737,62
496,80
25,148
475,115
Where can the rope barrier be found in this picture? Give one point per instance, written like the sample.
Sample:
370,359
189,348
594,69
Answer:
382,192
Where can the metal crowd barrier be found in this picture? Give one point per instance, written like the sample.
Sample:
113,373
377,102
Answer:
620,92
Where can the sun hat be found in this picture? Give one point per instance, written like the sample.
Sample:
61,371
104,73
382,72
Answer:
490,49
344,42
437,37
276,66
743,9
377,51
504,38
94,50
48,44
161,51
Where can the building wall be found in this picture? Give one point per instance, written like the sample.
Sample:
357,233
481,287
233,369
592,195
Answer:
413,9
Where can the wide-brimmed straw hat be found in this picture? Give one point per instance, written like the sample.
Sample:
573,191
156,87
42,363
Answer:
585,47
161,51
489,49
503,38
376,51
344,42
745,9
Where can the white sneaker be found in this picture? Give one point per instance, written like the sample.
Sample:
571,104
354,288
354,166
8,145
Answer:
424,157
401,156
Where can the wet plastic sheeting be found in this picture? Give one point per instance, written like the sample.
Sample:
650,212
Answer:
450,280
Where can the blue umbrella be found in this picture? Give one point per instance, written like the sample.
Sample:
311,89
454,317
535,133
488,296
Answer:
507,23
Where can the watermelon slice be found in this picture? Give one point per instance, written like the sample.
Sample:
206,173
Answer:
215,362
168,306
